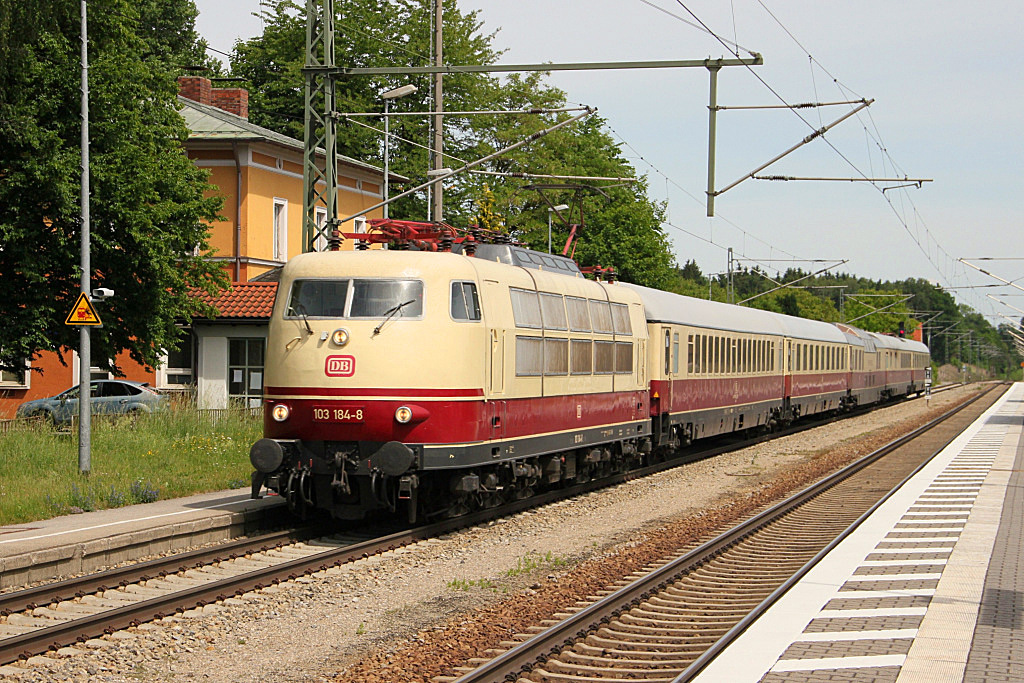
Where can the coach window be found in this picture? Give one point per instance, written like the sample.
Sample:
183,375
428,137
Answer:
465,302
675,354
526,308
579,314
604,357
601,316
529,356
582,356
668,353
553,311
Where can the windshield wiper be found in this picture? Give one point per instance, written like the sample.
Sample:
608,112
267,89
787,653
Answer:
390,313
301,310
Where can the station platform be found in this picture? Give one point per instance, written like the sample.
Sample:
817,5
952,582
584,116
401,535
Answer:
930,588
87,542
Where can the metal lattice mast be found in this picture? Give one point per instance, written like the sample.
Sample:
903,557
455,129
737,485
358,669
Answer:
320,187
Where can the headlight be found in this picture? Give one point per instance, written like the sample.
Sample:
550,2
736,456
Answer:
280,412
403,415
340,337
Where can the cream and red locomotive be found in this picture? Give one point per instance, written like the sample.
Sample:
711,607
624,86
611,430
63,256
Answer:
435,383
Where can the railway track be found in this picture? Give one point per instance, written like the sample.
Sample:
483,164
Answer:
55,615
666,623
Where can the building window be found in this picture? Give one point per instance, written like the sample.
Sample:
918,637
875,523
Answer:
320,216
280,228
15,379
245,370
178,364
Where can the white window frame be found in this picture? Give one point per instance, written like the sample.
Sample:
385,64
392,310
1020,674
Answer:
165,371
320,216
279,229
24,383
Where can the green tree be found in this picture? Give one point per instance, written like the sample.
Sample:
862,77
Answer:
147,206
620,225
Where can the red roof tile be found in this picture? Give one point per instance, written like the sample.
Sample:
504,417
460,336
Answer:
242,300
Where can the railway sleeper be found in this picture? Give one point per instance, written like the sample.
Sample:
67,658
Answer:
585,648
592,672
624,662
623,643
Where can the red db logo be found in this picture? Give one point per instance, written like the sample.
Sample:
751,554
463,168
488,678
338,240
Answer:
340,366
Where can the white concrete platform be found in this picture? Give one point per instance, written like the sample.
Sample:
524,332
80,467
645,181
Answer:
899,599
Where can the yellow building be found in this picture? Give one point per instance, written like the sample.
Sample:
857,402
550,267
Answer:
259,173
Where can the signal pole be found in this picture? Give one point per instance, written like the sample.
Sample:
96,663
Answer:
84,350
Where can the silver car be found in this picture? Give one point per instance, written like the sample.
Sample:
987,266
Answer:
108,397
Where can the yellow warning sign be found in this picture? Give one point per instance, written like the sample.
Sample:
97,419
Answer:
83,313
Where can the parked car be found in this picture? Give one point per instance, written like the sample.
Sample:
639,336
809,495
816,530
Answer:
108,397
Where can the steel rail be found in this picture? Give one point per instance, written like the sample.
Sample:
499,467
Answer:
57,591
520,660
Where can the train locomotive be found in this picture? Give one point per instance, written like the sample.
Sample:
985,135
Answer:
434,381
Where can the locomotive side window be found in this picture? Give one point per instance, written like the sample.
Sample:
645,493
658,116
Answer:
623,358
529,356
526,308
689,354
582,356
620,319
556,356
601,316
318,298
579,314
604,358
465,304
553,311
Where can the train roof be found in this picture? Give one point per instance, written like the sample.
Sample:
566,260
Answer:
684,310
884,341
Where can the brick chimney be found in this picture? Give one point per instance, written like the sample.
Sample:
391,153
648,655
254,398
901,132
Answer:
198,89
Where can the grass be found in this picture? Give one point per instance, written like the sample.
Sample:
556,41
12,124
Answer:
531,562
170,454
527,564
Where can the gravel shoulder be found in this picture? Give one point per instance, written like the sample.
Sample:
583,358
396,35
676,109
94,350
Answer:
416,612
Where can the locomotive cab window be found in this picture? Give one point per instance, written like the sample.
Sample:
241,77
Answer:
465,304
356,298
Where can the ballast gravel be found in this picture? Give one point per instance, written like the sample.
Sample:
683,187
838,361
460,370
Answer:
418,612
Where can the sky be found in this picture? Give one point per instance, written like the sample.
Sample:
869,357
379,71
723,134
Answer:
946,82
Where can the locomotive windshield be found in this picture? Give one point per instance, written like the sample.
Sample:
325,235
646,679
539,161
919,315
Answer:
354,298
